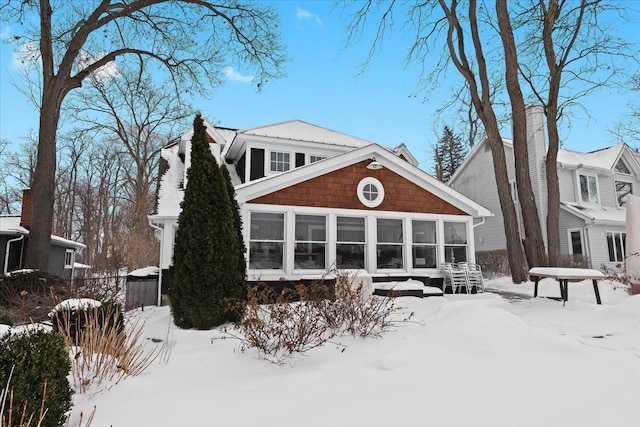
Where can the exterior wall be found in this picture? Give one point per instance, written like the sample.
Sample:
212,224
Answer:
56,262
599,254
338,190
477,182
289,273
537,149
570,222
566,183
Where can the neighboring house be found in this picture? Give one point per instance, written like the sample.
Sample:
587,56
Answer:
593,189
14,238
312,198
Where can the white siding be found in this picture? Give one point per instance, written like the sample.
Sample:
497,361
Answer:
598,245
567,222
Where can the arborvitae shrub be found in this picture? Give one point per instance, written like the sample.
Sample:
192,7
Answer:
36,357
109,315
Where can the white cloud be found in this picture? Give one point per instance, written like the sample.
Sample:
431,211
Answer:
5,33
106,72
303,14
26,56
235,76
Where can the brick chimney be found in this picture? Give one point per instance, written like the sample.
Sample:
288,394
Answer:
27,205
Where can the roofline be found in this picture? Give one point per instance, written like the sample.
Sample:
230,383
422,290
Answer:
270,184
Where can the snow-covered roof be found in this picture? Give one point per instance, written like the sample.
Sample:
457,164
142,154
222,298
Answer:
596,214
170,191
605,158
11,225
145,271
298,130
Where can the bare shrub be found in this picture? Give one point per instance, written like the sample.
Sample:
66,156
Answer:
101,356
494,263
622,277
279,329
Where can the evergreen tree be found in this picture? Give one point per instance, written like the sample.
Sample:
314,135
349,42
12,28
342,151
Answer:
449,154
205,269
237,220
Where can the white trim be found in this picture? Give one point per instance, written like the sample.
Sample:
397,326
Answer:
587,174
570,241
268,170
363,197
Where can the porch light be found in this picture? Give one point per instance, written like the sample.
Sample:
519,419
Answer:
374,165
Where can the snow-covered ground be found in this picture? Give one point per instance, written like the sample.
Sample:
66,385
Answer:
463,360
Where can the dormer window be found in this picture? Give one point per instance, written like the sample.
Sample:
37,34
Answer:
589,188
621,167
280,162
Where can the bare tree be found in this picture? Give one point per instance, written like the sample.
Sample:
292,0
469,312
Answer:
570,51
191,39
137,115
434,23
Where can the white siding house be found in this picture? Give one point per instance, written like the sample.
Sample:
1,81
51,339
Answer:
593,188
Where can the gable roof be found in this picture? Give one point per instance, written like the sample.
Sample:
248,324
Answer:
387,158
605,158
294,130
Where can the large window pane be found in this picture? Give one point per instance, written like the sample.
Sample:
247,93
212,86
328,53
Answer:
266,241
589,188
424,256
310,244
267,226
424,249
616,246
350,247
389,248
576,242
623,189
455,239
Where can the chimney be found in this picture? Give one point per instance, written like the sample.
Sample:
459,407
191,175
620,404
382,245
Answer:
536,140
27,205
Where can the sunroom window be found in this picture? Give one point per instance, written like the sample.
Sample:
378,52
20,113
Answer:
589,188
350,245
311,242
455,242
623,189
266,241
390,243
424,250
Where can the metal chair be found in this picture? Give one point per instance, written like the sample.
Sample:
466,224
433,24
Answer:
455,277
474,276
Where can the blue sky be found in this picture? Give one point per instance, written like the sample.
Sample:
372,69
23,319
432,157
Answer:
323,87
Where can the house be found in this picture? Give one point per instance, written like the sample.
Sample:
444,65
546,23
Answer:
312,198
14,238
593,189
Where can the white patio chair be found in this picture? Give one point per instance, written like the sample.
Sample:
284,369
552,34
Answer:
455,277
474,276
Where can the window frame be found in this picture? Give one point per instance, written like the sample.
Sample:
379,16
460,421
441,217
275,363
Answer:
624,164
401,244
414,245
363,243
615,190
464,245
364,182
271,161
69,265
570,240
588,175
283,241
310,241
618,239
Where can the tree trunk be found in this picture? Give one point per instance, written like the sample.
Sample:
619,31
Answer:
43,191
553,188
533,242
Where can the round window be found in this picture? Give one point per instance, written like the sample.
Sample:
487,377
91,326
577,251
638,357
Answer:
370,192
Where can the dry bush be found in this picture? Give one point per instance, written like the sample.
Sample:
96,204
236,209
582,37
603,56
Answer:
279,329
494,263
101,356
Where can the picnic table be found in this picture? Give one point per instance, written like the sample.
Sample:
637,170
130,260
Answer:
564,275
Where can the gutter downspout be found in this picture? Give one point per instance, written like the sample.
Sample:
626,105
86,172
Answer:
6,255
161,229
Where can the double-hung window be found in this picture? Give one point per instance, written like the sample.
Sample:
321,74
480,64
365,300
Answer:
350,242
266,241
589,188
311,242
425,249
280,161
455,242
575,242
616,243
390,245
